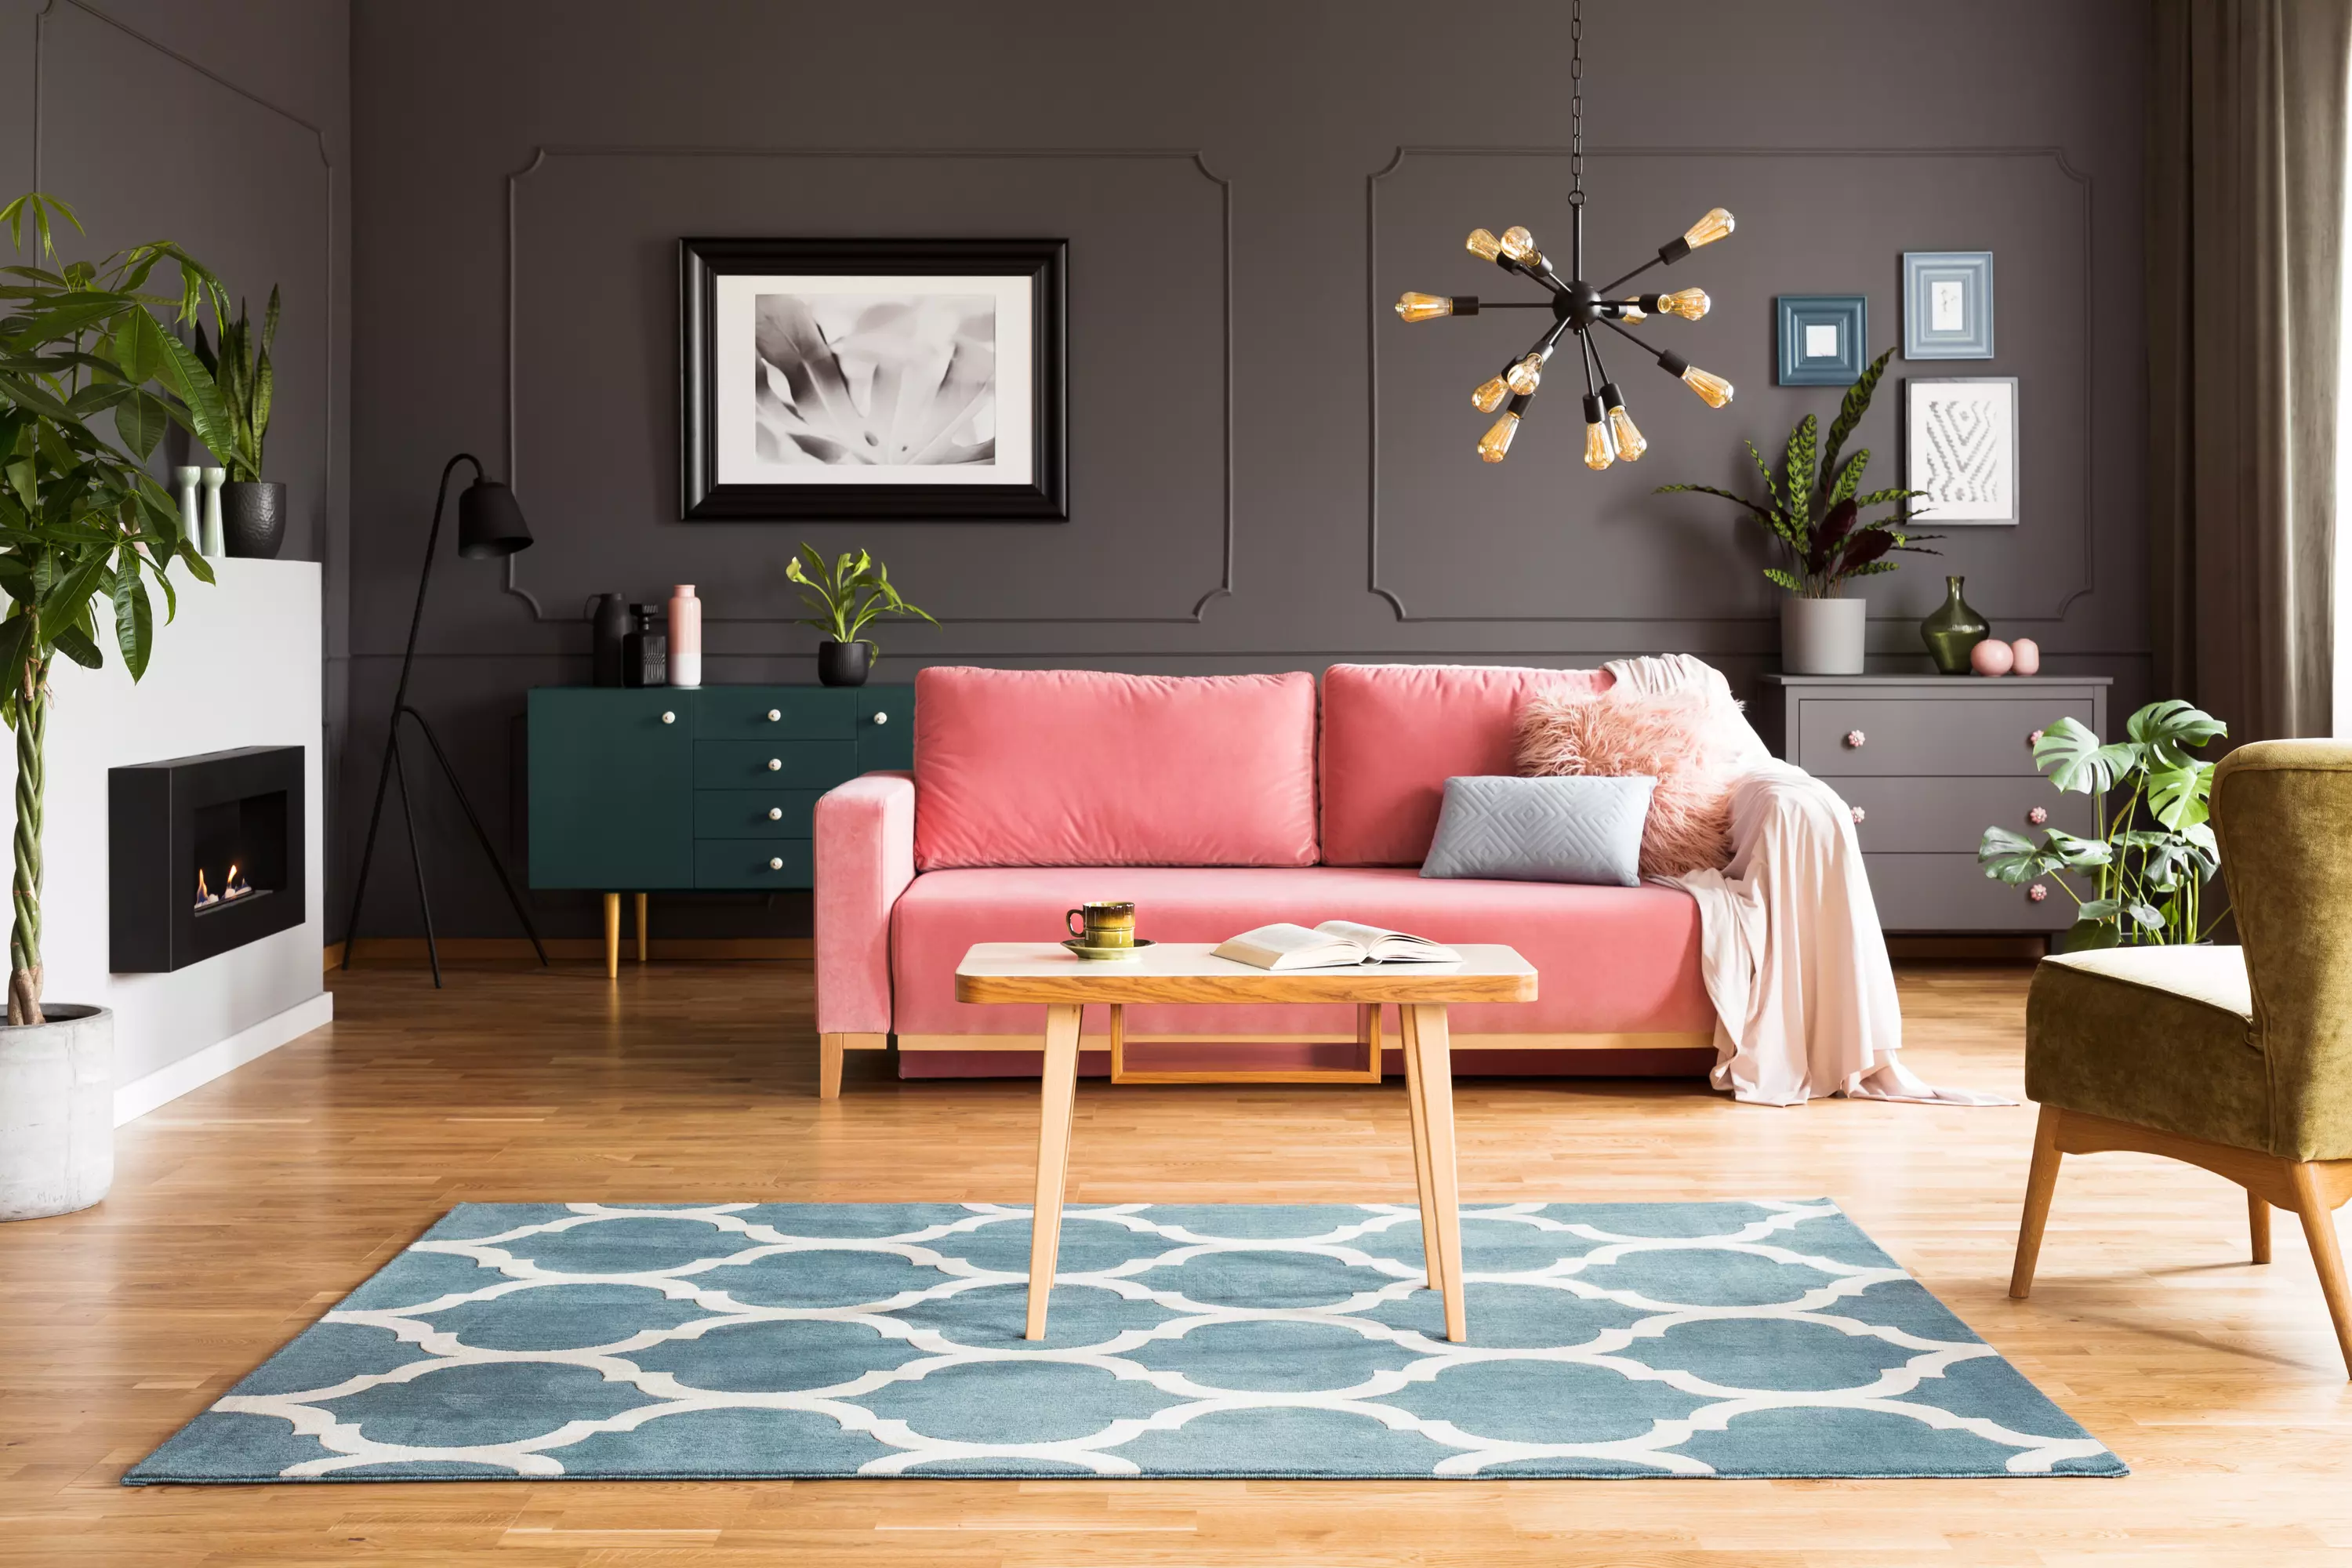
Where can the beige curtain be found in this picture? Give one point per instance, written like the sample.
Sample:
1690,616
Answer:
2245,184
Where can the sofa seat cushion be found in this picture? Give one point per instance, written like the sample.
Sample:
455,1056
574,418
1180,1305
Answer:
1075,767
1612,959
2158,1037
1394,733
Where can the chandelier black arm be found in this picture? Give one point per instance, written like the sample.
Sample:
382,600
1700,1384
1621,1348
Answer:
1620,283
1630,338
1597,363
1584,353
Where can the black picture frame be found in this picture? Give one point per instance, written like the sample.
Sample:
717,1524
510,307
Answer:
702,498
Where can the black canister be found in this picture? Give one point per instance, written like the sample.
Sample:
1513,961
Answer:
645,651
608,629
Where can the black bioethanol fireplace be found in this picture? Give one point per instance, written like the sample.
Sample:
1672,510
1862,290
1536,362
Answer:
206,855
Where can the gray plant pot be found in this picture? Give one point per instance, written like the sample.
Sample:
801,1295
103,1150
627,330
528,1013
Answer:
57,1113
1822,636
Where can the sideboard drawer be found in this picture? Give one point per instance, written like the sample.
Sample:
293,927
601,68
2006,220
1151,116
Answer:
1951,893
1951,815
753,863
754,812
789,765
801,712
1974,737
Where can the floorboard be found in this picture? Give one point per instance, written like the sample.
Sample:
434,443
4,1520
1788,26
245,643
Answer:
245,1209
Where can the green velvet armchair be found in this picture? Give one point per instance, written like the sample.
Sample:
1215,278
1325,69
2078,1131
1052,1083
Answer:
2235,1059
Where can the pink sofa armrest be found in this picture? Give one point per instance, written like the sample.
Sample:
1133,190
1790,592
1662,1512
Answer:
865,854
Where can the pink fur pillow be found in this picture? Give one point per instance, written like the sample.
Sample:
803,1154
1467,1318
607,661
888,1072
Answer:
1669,738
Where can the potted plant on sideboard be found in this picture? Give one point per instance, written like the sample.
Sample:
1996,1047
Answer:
81,521
253,510
848,593
1814,513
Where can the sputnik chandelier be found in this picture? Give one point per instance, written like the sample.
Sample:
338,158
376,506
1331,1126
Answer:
1577,307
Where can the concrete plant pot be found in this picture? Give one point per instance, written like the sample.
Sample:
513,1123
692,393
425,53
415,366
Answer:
57,1113
1822,636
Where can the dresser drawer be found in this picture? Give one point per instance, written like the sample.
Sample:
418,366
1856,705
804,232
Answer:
777,713
1951,893
790,765
754,812
753,863
1951,815
1973,736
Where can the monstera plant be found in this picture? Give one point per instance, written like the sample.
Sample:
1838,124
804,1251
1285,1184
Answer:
2146,866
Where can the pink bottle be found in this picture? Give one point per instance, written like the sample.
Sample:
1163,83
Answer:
685,636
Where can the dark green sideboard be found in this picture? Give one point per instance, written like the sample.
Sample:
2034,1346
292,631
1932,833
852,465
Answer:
665,789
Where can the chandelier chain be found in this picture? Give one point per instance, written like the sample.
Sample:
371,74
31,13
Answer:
1576,103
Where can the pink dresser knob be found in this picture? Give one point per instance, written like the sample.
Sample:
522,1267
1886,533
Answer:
2038,816
1853,740
2037,892
2033,738
1858,813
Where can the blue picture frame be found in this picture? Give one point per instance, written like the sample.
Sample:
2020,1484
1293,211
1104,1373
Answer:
1947,304
1823,339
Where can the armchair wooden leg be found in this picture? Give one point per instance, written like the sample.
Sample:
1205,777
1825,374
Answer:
2258,1225
2041,1182
2311,1203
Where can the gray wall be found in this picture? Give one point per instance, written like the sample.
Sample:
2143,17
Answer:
1268,469
224,125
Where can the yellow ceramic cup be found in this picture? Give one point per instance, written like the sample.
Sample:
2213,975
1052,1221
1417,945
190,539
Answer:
1102,925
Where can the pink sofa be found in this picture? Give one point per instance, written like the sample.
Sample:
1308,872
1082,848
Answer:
1218,804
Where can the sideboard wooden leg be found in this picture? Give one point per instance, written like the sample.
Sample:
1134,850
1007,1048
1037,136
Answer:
643,899
612,936
1057,1103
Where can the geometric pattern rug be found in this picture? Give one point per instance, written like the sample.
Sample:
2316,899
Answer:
739,1341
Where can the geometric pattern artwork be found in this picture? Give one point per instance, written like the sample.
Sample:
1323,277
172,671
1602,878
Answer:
1963,447
1582,830
1756,1339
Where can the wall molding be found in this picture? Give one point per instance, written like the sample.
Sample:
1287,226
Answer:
167,1083
540,157
1374,316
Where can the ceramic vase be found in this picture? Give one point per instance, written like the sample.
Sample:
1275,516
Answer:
192,517
685,636
844,663
1822,636
1953,631
213,545
608,629
253,518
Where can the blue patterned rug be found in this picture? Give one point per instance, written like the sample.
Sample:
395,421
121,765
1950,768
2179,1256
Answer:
788,1340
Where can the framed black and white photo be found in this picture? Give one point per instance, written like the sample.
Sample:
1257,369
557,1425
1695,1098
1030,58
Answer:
1947,304
921,379
1961,448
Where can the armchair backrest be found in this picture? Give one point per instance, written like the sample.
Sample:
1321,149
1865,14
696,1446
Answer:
2283,810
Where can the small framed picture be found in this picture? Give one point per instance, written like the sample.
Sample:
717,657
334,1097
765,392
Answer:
873,378
1960,448
1823,339
1947,304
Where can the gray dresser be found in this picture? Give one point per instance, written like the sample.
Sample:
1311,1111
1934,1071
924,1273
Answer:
1928,763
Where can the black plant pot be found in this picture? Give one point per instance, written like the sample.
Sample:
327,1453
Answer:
844,663
253,518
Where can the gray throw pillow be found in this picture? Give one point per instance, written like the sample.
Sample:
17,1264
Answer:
1575,829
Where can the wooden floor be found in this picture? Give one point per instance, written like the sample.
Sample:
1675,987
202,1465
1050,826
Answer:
245,1209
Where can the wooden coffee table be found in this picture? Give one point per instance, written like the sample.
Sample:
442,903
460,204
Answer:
1044,971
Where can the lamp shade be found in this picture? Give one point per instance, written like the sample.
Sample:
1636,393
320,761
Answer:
489,522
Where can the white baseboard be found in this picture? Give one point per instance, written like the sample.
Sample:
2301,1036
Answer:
166,1084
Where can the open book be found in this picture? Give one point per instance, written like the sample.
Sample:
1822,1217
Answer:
1331,945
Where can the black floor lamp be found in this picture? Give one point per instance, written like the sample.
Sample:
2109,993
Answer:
489,525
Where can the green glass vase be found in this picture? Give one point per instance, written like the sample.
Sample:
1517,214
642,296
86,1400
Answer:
1953,630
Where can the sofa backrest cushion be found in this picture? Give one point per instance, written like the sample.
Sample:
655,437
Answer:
1394,733
1074,767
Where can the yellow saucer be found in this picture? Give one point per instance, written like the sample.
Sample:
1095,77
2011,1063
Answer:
1105,954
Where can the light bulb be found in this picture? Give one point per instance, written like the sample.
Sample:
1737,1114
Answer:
1484,245
1690,304
1715,226
1711,387
1490,396
1423,307
1525,375
1495,443
1520,247
1630,444
1597,455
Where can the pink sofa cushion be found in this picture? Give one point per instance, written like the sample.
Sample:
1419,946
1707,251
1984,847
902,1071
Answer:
1074,767
1612,959
1394,733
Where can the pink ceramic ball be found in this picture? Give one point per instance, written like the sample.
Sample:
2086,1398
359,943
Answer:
1992,657
2029,655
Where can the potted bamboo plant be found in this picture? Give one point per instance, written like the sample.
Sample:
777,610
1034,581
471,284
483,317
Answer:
848,593
89,381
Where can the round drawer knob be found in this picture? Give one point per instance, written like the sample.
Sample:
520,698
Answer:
1859,814
775,764
775,865
1854,739
775,814
774,717
881,717
669,718
2033,737
2037,892
2038,816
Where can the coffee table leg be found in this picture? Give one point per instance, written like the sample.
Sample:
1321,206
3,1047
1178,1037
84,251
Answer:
1058,1104
1416,1106
1431,1045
